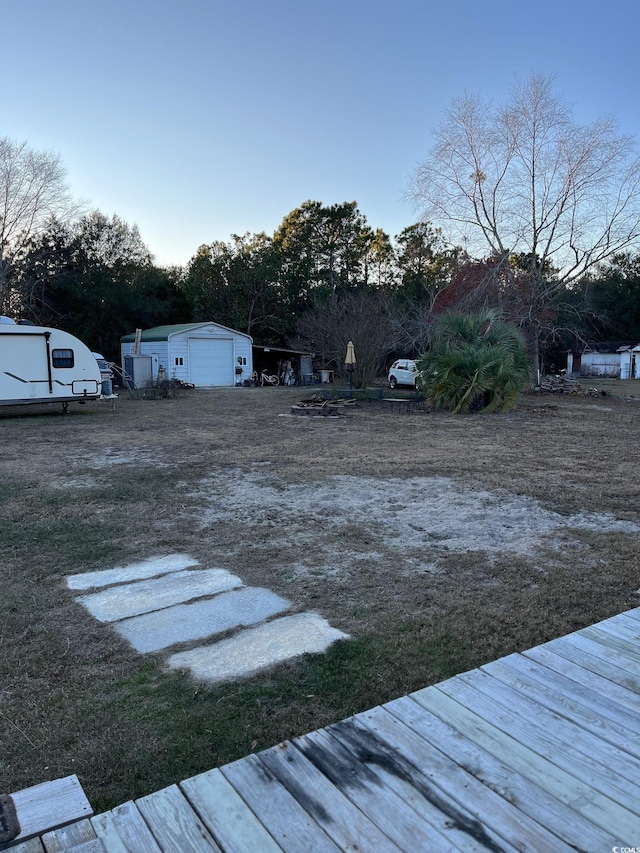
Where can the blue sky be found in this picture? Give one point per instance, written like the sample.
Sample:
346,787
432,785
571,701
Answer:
196,119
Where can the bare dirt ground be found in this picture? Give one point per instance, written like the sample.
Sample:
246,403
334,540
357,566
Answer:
436,542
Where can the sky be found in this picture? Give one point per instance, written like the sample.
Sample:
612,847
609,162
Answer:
199,119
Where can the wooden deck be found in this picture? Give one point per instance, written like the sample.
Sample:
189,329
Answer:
538,751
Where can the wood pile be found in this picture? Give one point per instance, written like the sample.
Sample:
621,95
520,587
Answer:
561,384
317,405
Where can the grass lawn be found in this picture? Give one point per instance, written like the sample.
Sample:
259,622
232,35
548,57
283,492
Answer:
436,542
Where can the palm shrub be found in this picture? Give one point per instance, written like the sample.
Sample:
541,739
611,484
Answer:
477,362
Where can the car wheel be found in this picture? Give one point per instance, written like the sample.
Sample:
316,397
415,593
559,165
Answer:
392,382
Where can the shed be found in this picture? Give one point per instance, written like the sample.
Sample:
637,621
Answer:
630,362
599,359
203,354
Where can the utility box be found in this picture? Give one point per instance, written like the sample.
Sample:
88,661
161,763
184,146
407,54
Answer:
138,371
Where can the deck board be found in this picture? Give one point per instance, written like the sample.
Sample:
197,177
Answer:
342,821
567,746
174,823
481,813
279,812
124,829
539,750
395,808
581,706
623,624
579,672
588,803
605,659
226,815
50,805
67,837
33,845
530,798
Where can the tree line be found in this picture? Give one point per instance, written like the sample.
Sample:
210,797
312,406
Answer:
523,212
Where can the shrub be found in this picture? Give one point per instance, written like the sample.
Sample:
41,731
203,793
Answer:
477,362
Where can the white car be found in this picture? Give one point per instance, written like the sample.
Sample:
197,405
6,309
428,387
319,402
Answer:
404,372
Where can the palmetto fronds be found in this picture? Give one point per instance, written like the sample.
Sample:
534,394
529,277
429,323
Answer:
477,362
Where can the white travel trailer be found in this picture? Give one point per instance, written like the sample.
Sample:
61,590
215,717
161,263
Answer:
43,365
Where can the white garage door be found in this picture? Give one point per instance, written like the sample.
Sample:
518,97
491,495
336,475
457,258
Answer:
211,361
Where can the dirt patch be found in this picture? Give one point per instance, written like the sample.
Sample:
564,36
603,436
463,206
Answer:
431,515
436,542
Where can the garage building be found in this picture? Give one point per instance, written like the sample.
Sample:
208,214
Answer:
203,354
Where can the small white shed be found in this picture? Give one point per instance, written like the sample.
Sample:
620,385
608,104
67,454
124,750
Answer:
203,354
612,359
630,362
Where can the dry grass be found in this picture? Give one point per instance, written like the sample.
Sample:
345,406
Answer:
409,531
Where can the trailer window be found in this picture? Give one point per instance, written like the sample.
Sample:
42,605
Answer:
62,357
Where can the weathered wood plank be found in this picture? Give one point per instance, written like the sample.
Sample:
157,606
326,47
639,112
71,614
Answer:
571,680
578,704
482,813
607,647
524,794
73,835
568,788
632,614
629,633
413,821
93,846
536,751
34,845
106,832
49,805
626,621
593,656
345,824
607,768
123,830
229,819
174,823
277,810
621,697
627,649
603,766
561,729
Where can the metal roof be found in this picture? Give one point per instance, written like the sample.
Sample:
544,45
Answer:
163,333
604,346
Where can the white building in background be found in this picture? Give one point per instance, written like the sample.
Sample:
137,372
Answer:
630,362
611,360
202,354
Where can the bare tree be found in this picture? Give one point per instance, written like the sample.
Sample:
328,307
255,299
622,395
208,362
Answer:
33,189
525,179
365,319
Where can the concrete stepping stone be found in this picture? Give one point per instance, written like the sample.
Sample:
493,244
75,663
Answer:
151,632
257,648
120,602
136,571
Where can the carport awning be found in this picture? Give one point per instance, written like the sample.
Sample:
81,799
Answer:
282,351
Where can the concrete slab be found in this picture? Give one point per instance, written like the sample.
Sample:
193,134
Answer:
257,648
183,622
135,571
120,602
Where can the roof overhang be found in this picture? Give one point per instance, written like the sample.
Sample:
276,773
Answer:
282,350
